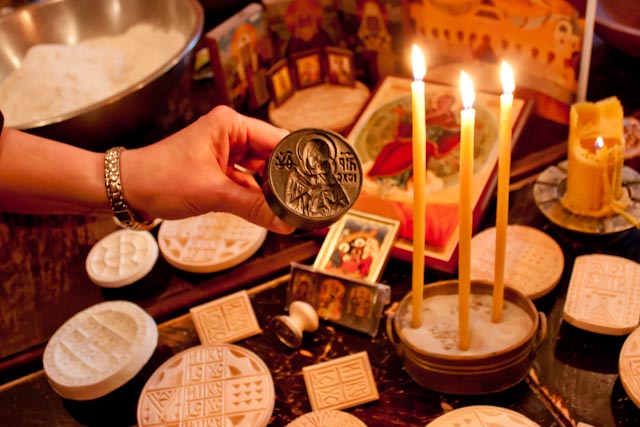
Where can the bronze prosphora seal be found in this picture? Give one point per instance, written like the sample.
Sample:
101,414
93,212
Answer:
313,177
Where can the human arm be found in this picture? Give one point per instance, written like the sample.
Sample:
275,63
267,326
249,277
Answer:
186,174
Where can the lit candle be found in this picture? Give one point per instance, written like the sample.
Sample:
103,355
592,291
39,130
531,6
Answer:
467,116
595,156
585,55
599,144
419,181
502,210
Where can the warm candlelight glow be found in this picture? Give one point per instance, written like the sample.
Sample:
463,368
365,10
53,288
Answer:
467,123
502,204
506,75
595,159
419,136
418,62
466,89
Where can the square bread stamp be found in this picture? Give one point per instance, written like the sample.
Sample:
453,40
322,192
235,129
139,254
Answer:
225,320
604,294
340,383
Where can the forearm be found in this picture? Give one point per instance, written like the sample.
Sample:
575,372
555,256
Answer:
41,176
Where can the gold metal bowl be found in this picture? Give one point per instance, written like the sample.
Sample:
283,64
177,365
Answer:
618,24
468,374
106,122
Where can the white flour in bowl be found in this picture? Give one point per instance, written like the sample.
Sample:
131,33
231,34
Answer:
55,79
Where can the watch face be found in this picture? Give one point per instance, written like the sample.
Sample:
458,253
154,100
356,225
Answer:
286,332
313,177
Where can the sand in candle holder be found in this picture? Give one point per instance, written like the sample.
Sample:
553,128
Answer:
499,355
439,330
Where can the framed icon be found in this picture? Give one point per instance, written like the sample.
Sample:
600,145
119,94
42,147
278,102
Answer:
280,82
308,68
358,246
340,66
350,302
238,48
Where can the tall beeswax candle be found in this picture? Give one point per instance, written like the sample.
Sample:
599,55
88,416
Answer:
594,170
419,180
467,131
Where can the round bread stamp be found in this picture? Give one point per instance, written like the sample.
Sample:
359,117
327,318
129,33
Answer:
289,329
604,294
316,106
628,362
533,262
121,258
210,242
219,384
313,177
99,349
483,415
327,418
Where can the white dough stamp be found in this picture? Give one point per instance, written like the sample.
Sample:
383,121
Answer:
340,383
604,294
482,416
328,418
99,349
208,385
210,242
121,258
629,366
533,262
226,320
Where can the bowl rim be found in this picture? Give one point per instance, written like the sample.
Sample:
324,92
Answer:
519,347
192,39
604,18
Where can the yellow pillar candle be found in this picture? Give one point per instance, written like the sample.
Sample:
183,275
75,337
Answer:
502,209
594,175
467,117
419,181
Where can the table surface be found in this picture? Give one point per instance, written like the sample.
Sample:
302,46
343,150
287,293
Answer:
574,376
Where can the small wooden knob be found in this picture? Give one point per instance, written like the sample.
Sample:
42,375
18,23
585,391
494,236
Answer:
289,329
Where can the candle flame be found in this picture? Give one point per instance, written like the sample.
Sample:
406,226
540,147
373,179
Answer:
506,74
466,88
599,143
418,62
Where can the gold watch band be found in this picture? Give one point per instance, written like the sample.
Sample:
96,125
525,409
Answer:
122,214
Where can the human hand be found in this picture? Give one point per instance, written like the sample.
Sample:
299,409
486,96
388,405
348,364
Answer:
192,171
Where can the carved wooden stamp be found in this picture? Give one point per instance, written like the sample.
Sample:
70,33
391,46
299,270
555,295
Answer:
99,349
533,265
289,329
483,416
327,418
210,242
340,383
604,294
629,366
121,258
218,385
225,320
